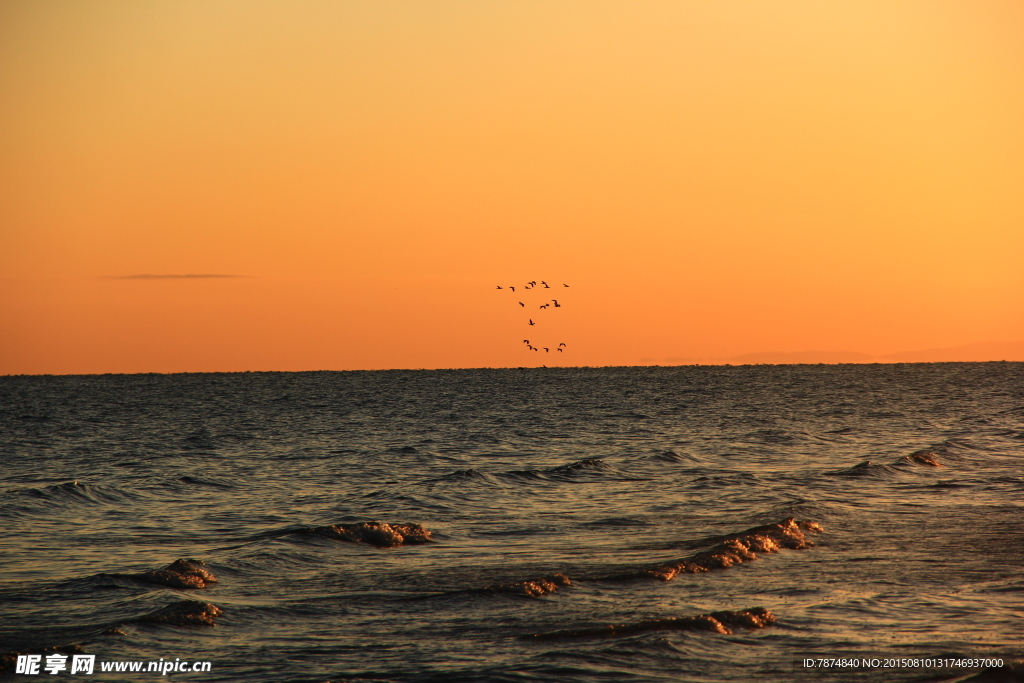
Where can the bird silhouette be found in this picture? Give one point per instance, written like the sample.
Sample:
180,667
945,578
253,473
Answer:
544,306
546,285
500,287
562,344
547,350
531,322
533,283
559,350
526,341
514,289
522,304
564,285
555,302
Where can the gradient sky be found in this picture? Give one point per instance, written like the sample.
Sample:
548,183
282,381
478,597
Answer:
712,179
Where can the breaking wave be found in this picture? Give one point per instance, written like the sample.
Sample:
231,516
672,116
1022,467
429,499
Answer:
183,574
717,622
378,534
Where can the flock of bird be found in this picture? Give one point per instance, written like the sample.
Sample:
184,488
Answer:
533,284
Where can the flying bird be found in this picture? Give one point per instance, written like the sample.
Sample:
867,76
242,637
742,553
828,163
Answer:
531,322
546,286
555,302
544,306
514,289
562,344
564,285
526,341
500,287
522,304
559,350
547,350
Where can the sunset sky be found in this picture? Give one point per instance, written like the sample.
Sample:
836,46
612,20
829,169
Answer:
711,178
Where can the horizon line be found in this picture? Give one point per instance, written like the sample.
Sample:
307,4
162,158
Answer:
516,367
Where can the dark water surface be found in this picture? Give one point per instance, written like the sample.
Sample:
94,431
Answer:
519,474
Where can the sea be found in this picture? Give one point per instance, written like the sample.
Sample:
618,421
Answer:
844,523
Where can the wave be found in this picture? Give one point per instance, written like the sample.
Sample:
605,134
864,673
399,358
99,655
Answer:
724,480
66,494
866,468
731,550
672,456
924,457
573,469
560,473
205,481
586,464
533,588
379,534
472,475
566,473
530,588
727,551
184,613
184,574
717,622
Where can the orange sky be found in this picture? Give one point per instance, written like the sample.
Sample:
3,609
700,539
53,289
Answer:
713,179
